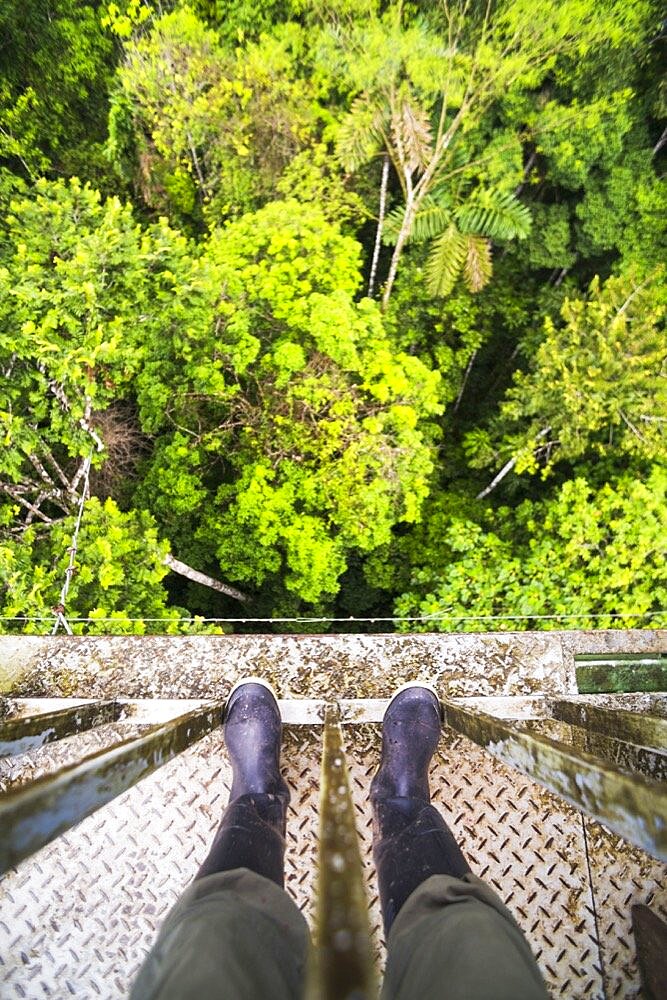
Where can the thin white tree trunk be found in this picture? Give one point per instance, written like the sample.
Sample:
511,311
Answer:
465,380
378,234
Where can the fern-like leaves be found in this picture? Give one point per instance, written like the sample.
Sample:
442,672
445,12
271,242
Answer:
360,134
447,257
496,214
478,267
430,221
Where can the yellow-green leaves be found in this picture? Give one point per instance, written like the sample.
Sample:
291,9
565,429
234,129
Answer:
595,384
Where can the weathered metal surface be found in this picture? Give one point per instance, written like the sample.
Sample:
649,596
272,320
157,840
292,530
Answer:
633,806
323,667
627,756
343,966
602,641
634,727
621,876
16,772
621,672
79,916
75,927
31,817
525,842
631,678
638,701
651,763
23,733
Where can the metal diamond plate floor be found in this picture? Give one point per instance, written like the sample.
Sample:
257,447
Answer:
78,917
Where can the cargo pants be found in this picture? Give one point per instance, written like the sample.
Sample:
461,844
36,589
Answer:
238,936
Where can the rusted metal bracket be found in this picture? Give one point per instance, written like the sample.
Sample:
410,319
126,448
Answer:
630,805
33,816
343,965
651,939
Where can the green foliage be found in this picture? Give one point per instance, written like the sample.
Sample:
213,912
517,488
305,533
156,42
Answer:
595,385
53,87
197,123
579,553
293,392
446,261
312,175
72,284
119,573
235,20
208,343
496,214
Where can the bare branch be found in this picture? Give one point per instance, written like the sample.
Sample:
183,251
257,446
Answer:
465,379
15,494
176,566
507,468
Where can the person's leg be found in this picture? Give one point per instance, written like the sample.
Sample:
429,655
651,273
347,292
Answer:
411,840
448,935
235,933
252,831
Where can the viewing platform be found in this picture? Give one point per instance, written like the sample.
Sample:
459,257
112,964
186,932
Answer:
79,915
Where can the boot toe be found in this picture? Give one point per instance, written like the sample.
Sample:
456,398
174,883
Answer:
414,704
251,698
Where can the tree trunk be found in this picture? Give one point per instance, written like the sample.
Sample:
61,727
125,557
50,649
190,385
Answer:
403,237
378,234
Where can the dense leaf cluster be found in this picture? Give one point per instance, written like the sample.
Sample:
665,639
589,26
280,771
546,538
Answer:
358,308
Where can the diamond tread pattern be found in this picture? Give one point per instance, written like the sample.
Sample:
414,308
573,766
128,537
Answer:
79,916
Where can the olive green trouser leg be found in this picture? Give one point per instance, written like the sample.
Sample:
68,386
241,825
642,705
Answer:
234,935
453,939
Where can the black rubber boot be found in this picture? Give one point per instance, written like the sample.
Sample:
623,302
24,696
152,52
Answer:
411,840
252,832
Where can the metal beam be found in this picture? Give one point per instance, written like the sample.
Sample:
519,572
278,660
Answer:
627,756
33,816
28,732
631,806
634,727
617,672
343,965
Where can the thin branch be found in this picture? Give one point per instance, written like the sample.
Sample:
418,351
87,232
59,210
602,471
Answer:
660,143
176,566
507,468
626,420
35,462
465,379
14,493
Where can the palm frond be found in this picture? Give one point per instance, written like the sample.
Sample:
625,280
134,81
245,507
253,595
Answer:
392,225
429,222
359,134
478,265
496,214
445,261
417,135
